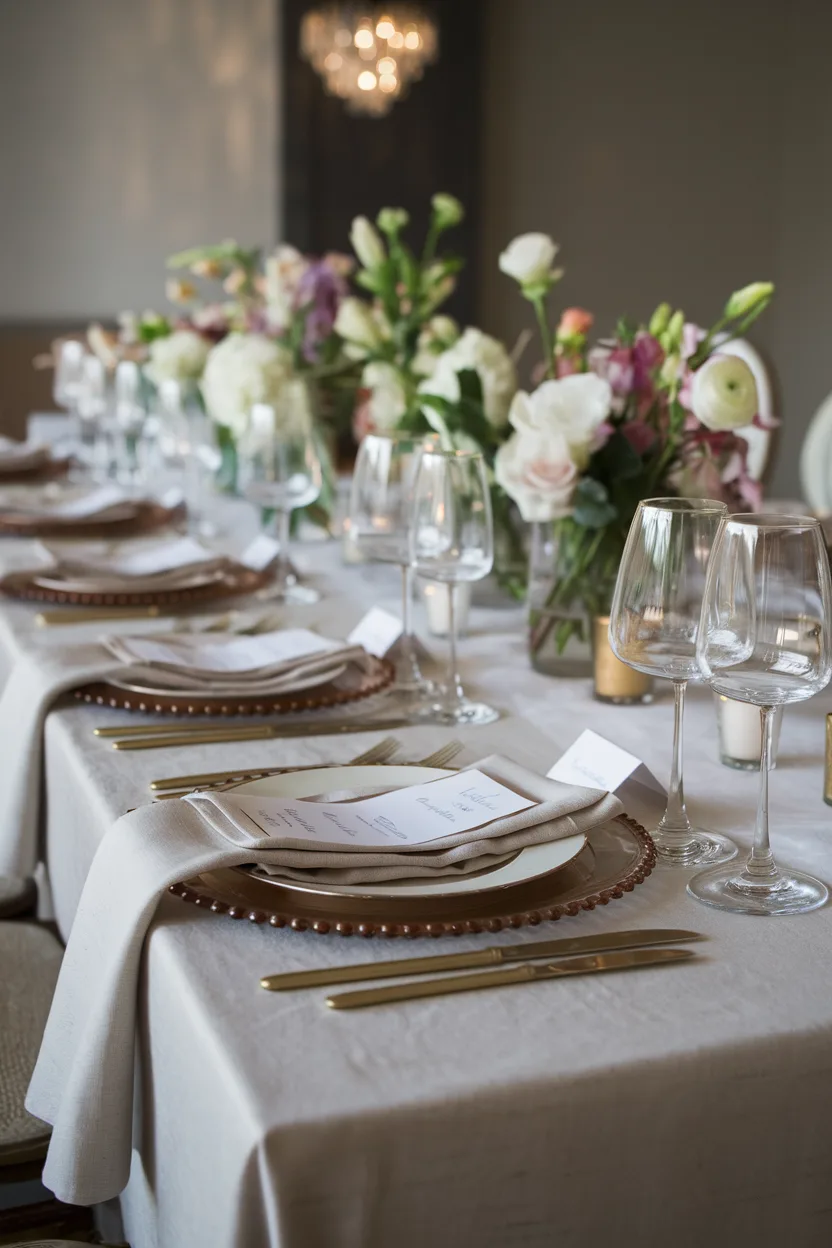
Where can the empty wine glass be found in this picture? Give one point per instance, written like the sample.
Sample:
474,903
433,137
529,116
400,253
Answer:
765,637
130,415
381,509
91,409
189,447
280,471
66,382
654,622
452,540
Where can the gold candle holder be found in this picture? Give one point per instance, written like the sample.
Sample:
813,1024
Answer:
827,764
614,681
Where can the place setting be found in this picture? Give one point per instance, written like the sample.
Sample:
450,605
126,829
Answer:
30,462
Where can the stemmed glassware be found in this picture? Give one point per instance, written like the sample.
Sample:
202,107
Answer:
451,541
130,414
91,407
66,382
280,471
188,446
654,623
381,510
765,638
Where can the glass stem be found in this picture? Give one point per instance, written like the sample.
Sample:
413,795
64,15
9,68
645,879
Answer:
674,836
407,601
453,693
760,866
284,566
408,672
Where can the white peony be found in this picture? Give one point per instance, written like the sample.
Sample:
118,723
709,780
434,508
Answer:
485,356
388,400
284,269
528,258
356,324
537,470
367,244
724,393
242,370
180,356
575,407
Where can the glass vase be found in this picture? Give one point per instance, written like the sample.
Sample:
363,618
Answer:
559,625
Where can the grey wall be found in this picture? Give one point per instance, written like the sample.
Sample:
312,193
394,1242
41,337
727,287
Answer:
129,130
675,151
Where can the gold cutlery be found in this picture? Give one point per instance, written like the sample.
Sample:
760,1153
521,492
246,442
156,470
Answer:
89,615
379,753
151,730
524,974
189,736
493,955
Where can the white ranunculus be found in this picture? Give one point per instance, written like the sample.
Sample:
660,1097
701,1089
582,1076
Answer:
724,393
367,244
528,258
356,325
575,406
388,400
284,269
242,370
485,356
180,356
537,470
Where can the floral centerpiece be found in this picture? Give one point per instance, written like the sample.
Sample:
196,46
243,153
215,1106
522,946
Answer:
420,371
244,327
652,410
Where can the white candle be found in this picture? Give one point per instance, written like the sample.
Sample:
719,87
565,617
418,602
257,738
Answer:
436,604
740,730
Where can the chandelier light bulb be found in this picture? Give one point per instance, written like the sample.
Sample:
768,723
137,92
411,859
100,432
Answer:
350,46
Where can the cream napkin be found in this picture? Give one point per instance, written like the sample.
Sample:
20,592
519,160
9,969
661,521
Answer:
232,659
58,505
89,565
22,456
83,1081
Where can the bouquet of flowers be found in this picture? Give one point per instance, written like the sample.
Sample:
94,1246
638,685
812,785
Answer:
244,328
652,410
420,371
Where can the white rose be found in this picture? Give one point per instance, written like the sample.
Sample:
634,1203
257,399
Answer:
179,357
355,323
538,472
283,272
490,360
367,244
440,333
242,370
528,258
724,393
574,406
388,401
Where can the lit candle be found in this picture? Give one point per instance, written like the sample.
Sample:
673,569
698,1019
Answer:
740,733
436,604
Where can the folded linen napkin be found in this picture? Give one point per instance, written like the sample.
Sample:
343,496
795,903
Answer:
83,1080
105,502
130,561
22,456
218,656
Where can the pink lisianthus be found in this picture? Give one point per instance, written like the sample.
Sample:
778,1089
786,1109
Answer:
575,323
647,357
567,363
639,434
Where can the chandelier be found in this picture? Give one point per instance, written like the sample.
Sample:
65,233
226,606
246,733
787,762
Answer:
369,58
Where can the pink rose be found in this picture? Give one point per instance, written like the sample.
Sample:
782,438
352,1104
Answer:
575,323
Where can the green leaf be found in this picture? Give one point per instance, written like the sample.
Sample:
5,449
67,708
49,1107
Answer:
368,281
593,509
617,460
470,385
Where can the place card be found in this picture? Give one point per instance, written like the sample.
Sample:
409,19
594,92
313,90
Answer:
377,632
396,820
260,553
597,763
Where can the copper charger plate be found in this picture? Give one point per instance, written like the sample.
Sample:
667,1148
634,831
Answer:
353,685
51,470
147,517
237,581
617,857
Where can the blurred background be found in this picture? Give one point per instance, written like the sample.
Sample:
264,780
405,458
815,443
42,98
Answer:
675,152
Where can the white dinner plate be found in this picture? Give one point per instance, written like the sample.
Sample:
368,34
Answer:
527,864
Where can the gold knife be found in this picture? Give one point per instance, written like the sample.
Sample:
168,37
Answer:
524,974
183,736
88,615
492,956
172,729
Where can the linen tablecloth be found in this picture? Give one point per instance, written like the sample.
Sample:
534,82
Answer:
685,1106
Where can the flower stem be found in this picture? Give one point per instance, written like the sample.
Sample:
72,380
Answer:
545,334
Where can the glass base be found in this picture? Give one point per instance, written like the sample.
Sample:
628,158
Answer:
726,888
707,849
462,712
294,595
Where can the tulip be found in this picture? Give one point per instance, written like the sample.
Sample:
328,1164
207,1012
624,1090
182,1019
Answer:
724,393
447,211
751,298
367,243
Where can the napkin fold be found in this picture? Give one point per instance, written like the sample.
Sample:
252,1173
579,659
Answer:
58,505
83,1080
90,566
22,456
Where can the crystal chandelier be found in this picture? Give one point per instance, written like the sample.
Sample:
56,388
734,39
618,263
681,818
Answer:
369,58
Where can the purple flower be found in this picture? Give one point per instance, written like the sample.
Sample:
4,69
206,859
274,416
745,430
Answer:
319,293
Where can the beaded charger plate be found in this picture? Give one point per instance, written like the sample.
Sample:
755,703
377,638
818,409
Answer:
548,882
50,470
233,582
351,685
145,517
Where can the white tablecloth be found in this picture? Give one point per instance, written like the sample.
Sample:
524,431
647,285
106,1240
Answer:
682,1107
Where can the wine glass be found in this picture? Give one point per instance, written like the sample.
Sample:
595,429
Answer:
188,445
280,471
380,516
130,415
91,409
66,382
765,638
452,540
653,626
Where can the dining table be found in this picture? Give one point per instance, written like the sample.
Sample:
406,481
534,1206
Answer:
688,1105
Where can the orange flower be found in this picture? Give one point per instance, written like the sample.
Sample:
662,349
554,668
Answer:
575,323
